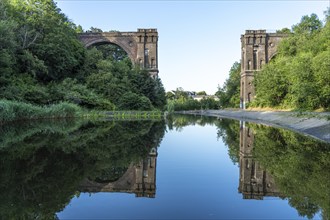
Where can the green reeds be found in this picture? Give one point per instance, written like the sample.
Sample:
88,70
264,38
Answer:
13,111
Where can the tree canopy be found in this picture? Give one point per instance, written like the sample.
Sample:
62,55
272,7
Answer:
299,76
229,93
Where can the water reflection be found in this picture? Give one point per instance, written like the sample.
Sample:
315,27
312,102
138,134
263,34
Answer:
299,167
280,163
45,164
254,181
275,163
139,178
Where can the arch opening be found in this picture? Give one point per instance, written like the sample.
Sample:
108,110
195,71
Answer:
109,175
272,56
112,51
121,47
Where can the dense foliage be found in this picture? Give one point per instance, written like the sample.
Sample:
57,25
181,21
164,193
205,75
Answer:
229,93
42,62
299,76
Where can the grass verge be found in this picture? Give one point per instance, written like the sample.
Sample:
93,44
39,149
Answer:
15,111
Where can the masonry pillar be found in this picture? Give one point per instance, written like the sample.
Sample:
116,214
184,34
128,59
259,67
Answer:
147,50
257,48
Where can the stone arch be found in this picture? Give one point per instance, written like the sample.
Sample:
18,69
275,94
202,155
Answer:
133,43
153,151
272,56
128,45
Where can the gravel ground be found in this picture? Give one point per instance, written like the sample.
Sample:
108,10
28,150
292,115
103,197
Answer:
316,125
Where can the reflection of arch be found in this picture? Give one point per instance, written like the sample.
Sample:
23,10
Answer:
110,175
135,44
138,178
124,183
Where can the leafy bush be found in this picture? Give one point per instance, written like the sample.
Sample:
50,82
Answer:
133,101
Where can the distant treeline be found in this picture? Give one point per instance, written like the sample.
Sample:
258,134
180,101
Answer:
297,78
180,100
42,62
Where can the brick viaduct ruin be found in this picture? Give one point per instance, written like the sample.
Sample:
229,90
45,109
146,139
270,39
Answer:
258,48
141,46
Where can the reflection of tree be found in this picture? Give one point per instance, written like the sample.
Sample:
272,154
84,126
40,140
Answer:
297,164
300,166
228,130
41,171
180,121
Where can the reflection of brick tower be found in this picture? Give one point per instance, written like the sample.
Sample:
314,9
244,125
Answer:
145,184
254,182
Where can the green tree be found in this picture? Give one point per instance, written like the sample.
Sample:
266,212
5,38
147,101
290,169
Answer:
229,93
201,93
133,101
95,30
298,77
49,36
170,95
307,25
271,85
8,42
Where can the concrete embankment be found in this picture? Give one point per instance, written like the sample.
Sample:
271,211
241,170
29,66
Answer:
316,125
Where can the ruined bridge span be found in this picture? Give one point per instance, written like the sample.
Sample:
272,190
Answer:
257,48
141,46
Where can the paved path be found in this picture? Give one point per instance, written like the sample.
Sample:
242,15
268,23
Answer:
316,125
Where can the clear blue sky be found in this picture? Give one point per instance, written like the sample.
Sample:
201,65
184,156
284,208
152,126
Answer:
198,40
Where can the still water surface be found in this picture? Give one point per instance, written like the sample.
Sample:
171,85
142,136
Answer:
185,168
